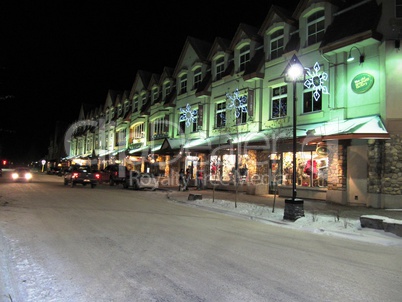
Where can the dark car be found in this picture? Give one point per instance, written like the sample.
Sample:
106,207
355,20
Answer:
137,180
22,174
1,172
114,174
81,175
53,171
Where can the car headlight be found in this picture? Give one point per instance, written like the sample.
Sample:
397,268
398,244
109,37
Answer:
14,175
28,176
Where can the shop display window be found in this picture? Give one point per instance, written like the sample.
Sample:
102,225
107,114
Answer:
311,169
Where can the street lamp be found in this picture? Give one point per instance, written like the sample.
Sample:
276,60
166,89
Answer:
294,73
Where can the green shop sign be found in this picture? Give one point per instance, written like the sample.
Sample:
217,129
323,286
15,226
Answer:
362,83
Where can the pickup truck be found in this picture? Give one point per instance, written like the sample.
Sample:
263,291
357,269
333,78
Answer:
81,175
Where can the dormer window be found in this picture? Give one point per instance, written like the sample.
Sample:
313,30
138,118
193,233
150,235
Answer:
219,68
143,99
167,88
126,106
183,84
135,104
315,27
155,94
197,77
277,43
244,57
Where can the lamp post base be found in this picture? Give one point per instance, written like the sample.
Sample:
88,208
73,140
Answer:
294,209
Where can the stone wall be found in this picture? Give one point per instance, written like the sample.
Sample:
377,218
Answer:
392,166
337,166
375,149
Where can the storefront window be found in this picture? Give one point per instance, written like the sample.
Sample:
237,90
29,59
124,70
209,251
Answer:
311,169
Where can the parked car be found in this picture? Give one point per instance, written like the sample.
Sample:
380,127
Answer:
114,174
22,174
81,175
1,172
137,180
53,171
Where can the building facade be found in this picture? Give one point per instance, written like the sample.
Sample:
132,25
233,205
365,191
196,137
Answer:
226,108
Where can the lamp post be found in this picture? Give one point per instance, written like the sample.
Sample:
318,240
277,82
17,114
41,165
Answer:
294,73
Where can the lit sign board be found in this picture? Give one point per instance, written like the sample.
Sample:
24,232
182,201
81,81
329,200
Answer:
362,83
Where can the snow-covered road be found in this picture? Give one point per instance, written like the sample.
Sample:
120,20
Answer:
108,244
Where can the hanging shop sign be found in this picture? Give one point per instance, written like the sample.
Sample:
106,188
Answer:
362,83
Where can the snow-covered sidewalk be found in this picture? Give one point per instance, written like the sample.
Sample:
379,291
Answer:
317,223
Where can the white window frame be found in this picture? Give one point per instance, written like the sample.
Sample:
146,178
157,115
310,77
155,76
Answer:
135,104
220,108
219,68
183,83
277,43
313,25
155,93
244,57
282,96
197,77
167,87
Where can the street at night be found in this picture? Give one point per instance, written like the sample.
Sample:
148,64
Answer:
110,244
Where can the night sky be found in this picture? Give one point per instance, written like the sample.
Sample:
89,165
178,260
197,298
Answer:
56,55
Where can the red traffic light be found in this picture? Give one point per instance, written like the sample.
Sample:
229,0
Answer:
4,162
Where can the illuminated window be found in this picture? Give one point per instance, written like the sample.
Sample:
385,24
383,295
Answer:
183,84
219,67
315,27
138,132
197,78
194,121
220,114
277,44
279,102
310,104
244,57
159,128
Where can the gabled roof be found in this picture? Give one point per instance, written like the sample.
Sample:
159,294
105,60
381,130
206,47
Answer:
154,80
142,78
352,25
200,47
275,14
85,110
110,99
167,73
249,31
219,44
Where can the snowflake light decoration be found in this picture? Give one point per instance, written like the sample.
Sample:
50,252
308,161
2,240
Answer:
316,81
239,103
188,115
